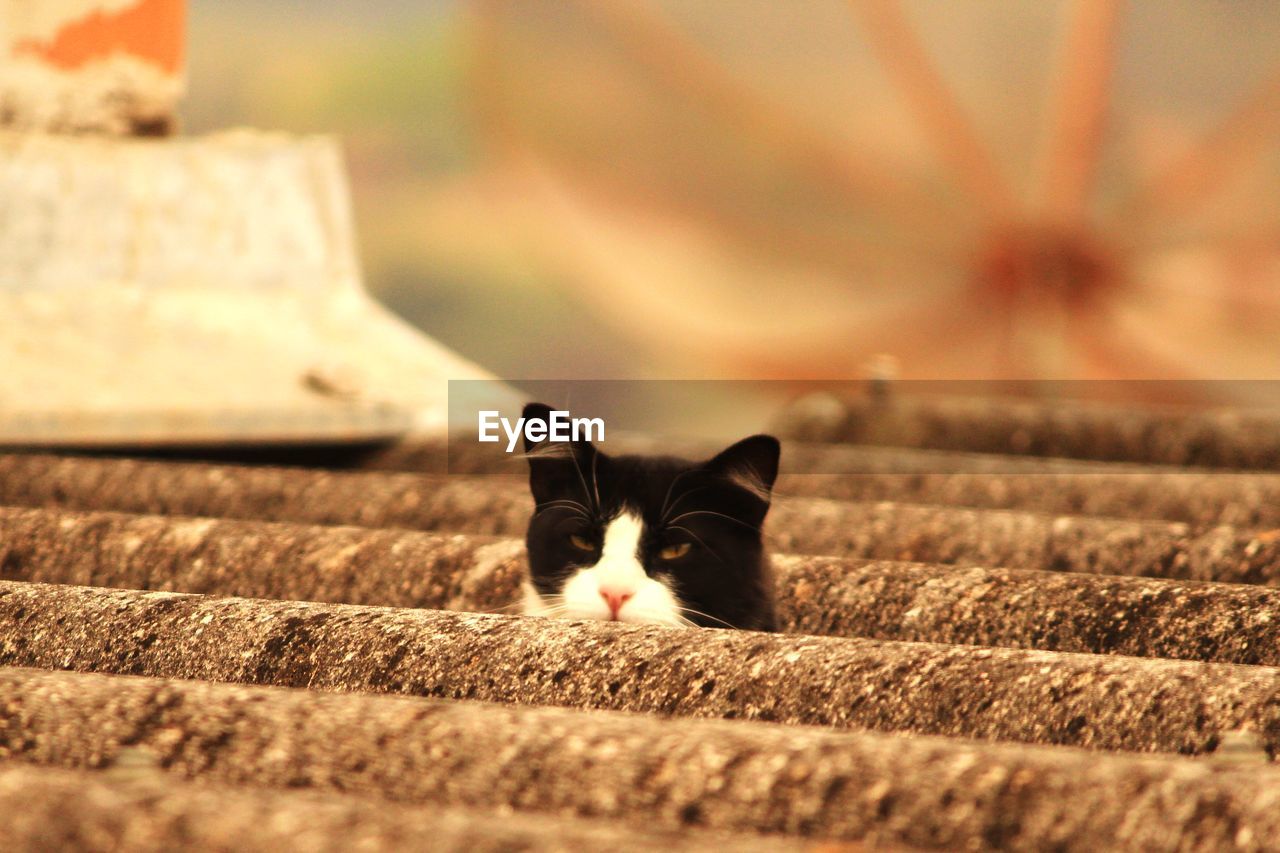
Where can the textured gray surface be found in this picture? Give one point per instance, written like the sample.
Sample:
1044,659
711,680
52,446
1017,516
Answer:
1202,497
1145,617
137,810
1036,697
1024,540
1228,438
266,494
502,505
668,774
359,565
660,771
887,600
1197,498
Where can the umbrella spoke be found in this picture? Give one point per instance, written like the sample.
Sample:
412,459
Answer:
1078,116
910,67
685,67
1193,179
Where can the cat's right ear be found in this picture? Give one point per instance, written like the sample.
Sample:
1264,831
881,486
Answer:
558,470
751,464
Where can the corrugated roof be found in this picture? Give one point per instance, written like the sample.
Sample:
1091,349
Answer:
1021,634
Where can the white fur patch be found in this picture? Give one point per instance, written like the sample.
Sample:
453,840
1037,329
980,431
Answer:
531,603
617,573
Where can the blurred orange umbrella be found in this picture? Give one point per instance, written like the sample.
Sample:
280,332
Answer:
1052,190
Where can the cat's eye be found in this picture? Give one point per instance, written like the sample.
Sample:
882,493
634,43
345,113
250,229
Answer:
581,542
674,552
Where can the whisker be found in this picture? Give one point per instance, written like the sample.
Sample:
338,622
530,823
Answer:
545,450
573,509
553,609
684,495
698,539
566,502
586,490
664,511
550,601
576,512
717,515
654,617
503,609
595,482
707,615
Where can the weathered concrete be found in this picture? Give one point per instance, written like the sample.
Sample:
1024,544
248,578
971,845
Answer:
1228,438
1036,697
1200,500
502,506
1227,623
1143,617
1201,497
397,568
151,810
930,792
464,455
266,494
1024,540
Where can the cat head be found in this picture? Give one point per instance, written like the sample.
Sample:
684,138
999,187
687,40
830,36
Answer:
650,539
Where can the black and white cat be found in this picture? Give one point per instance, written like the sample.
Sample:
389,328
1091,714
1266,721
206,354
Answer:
654,540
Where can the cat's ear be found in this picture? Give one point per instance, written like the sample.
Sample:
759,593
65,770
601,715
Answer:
558,470
751,464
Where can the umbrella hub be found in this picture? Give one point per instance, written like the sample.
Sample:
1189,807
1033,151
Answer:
1032,263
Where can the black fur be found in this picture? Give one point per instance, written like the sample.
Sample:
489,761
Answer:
724,579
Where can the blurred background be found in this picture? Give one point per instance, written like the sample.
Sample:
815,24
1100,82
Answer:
671,188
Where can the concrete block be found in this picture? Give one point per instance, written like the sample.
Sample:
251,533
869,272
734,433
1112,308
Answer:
661,773
1105,702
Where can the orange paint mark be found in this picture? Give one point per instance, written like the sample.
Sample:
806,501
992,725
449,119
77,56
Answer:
151,30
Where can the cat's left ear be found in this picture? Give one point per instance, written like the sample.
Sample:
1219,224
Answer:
751,464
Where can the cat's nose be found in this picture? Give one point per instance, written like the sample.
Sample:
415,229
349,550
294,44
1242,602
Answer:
615,599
